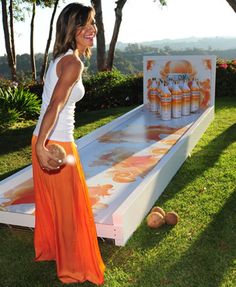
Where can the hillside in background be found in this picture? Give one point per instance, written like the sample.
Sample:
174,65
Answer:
217,43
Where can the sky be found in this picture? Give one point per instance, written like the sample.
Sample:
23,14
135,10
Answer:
143,20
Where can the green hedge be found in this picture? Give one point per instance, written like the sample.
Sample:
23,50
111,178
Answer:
111,89
225,78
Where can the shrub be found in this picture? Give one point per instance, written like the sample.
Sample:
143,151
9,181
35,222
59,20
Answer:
6,83
36,89
111,89
17,103
225,78
8,117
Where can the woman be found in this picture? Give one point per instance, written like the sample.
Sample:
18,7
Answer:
64,224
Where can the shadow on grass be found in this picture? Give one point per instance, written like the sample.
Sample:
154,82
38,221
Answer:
225,102
207,259
14,140
17,266
201,161
206,158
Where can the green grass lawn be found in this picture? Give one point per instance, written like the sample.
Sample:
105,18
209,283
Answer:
200,251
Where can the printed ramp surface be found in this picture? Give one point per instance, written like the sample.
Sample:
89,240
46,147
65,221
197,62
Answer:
114,164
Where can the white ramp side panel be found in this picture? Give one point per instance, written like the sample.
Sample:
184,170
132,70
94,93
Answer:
127,163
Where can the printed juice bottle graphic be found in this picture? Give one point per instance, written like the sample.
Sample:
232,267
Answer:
186,97
181,84
170,85
195,97
176,101
153,96
165,104
159,91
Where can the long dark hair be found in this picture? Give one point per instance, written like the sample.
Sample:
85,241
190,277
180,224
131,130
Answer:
72,17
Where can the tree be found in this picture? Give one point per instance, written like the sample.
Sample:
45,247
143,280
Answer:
34,3
103,62
118,12
15,11
232,3
101,46
45,60
32,57
8,29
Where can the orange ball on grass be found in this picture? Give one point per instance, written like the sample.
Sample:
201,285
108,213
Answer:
155,220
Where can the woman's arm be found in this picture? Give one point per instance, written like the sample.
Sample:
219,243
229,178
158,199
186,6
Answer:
69,72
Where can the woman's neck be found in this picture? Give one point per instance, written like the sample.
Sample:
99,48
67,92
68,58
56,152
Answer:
79,52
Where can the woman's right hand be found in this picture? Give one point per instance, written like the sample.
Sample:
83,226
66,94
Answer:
44,156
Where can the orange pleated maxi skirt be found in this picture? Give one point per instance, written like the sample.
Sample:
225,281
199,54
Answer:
64,225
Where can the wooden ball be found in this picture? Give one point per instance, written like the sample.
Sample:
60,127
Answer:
172,218
155,220
58,152
158,209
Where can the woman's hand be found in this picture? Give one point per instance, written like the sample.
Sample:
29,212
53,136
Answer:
44,156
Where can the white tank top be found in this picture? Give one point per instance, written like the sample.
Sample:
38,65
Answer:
64,127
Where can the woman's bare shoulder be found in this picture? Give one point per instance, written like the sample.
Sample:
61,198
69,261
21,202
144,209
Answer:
71,66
